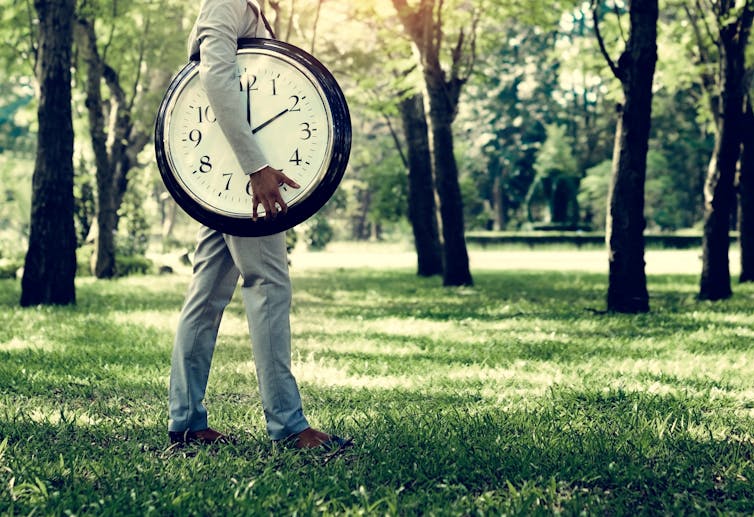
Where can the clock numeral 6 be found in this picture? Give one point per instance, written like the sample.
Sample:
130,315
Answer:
205,165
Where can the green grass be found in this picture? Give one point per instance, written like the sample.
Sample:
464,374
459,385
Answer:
513,397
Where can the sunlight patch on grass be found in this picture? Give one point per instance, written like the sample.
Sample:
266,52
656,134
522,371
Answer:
534,373
57,415
328,376
28,343
159,320
735,318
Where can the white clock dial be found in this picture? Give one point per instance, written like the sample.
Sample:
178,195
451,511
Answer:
299,116
287,114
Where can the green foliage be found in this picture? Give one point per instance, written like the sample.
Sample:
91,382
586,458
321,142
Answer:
556,182
134,226
318,233
126,265
291,239
537,65
376,182
8,268
84,210
84,254
15,204
540,405
663,198
16,137
509,103
555,158
388,187
593,192
476,212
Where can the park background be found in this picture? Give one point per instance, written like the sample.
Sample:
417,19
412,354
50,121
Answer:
547,312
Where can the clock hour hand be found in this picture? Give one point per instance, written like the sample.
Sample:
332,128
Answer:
248,106
270,121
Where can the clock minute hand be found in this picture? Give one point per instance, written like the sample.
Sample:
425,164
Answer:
270,121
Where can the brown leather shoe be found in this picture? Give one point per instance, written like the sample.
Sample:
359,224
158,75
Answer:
205,436
312,439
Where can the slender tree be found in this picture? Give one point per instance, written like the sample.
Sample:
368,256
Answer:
730,30
627,289
422,210
424,25
50,266
746,196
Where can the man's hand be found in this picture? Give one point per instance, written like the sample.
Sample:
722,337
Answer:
265,188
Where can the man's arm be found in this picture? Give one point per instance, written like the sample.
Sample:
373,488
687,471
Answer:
218,27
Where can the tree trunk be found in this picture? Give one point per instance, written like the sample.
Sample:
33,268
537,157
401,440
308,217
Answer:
115,147
422,211
455,255
719,189
627,288
746,196
499,209
50,266
423,23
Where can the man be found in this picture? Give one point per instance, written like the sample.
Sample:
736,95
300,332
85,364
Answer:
261,262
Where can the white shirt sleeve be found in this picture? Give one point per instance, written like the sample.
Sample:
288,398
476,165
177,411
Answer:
217,30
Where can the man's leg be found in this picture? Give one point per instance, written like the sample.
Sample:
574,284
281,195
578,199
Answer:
263,262
214,280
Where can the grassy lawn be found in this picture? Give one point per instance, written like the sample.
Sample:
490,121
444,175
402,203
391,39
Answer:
515,397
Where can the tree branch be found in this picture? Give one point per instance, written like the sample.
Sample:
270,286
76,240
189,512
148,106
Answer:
315,24
396,140
137,79
620,25
33,46
601,41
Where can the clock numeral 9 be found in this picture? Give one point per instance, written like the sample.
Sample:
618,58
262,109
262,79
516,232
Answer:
195,137
205,166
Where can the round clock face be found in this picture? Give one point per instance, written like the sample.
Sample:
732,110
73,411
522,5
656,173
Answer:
299,117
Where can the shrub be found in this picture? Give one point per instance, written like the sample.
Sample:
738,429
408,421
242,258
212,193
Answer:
126,265
319,233
8,268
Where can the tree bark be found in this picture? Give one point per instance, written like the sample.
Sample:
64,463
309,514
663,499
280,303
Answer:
746,197
719,189
442,110
422,210
115,146
627,282
50,265
424,25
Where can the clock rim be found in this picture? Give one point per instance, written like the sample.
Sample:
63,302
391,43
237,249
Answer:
319,195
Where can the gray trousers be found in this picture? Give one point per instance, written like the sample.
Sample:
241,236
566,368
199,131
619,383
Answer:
262,264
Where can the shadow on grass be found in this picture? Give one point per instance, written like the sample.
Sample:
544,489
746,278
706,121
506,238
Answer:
613,452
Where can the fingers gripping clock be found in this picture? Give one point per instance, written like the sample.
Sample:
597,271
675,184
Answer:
300,118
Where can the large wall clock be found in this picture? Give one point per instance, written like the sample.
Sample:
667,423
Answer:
299,116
